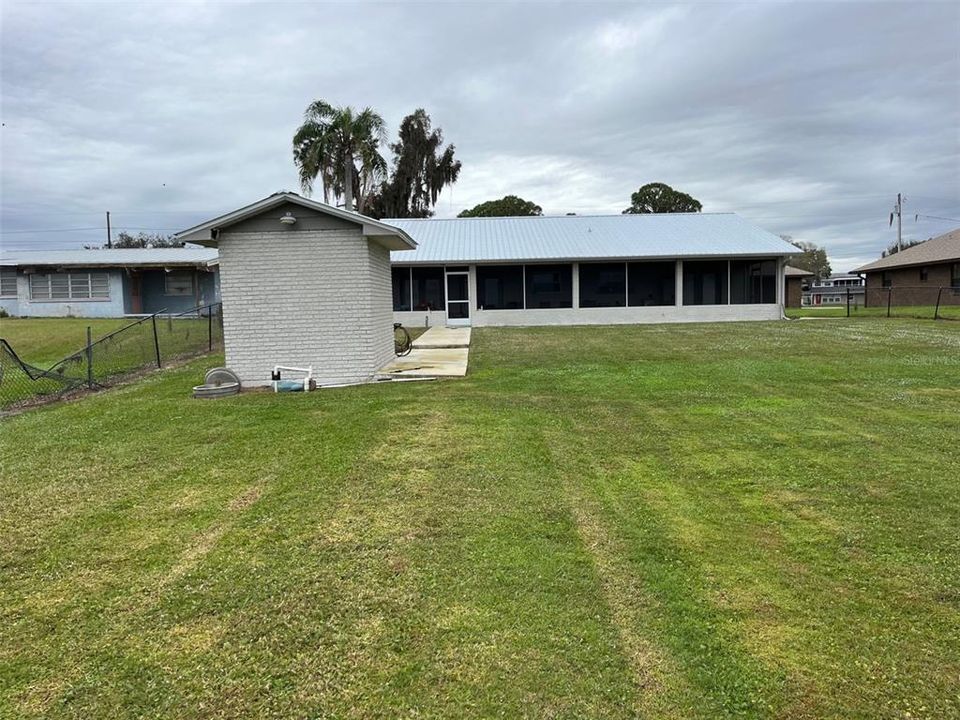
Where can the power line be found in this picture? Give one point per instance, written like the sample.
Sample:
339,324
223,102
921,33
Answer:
86,229
933,217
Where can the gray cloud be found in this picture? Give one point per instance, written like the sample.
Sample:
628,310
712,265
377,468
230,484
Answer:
806,118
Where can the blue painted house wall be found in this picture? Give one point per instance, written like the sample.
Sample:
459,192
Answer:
120,303
24,306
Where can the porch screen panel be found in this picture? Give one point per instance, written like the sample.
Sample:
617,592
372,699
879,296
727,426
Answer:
401,288
428,291
705,282
603,284
753,281
500,287
652,283
549,286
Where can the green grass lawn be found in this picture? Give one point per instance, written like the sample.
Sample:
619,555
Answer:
44,341
924,312
751,520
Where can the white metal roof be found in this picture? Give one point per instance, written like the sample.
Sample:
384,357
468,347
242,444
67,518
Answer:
576,237
126,257
206,232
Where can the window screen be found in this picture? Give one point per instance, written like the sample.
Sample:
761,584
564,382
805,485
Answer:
401,288
500,287
652,283
70,286
428,288
549,286
753,281
705,282
178,282
8,282
603,284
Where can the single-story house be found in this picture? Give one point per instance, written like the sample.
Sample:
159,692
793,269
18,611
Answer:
795,280
915,276
108,282
588,269
303,284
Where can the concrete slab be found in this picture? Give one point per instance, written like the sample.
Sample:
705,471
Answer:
428,362
444,337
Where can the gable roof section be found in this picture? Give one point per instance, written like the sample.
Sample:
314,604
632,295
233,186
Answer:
943,248
206,233
586,237
791,271
112,257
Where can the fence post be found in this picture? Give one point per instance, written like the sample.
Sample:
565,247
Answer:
848,302
89,354
936,310
889,295
210,329
156,340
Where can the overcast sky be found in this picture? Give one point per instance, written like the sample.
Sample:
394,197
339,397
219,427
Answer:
806,118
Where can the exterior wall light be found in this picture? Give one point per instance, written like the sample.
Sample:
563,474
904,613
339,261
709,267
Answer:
288,219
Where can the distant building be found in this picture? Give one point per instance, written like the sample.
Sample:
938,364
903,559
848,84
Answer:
795,281
107,283
834,290
916,275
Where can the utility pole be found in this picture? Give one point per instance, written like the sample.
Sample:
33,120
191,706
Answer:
898,211
109,239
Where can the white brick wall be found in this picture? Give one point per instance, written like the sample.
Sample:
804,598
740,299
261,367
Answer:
318,297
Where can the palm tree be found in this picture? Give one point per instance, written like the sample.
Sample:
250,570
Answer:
329,145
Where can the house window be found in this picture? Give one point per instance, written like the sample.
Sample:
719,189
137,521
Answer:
924,274
651,283
500,287
705,282
70,286
8,282
178,282
401,289
549,286
753,281
603,284
886,280
955,276
428,291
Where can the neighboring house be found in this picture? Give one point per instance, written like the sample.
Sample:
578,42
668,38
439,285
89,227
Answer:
304,284
795,280
107,283
584,270
914,276
834,291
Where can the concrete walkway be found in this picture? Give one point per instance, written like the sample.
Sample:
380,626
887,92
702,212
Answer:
439,352
443,337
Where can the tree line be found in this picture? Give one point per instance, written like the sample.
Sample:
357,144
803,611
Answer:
339,149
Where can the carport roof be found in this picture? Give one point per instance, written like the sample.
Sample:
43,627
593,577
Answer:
112,257
586,237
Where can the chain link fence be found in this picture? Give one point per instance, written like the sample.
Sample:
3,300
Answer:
911,301
148,343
